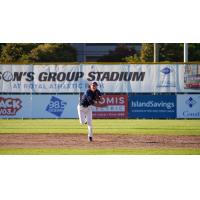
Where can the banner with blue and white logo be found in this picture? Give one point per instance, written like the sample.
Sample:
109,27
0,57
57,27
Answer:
188,106
112,78
38,106
166,78
152,106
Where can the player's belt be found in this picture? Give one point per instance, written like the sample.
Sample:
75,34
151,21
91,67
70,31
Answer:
83,105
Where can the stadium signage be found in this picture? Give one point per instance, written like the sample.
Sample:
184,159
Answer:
112,106
166,77
152,106
72,76
16,76
188,106
56,106
118,78
39,106
10,106
112,99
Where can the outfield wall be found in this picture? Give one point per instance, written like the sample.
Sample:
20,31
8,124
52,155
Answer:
130,90
113,106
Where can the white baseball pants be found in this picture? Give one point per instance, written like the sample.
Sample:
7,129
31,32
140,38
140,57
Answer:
85,115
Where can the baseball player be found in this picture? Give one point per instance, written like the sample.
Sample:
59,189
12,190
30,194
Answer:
89,99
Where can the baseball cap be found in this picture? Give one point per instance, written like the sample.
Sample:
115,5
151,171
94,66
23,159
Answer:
94,83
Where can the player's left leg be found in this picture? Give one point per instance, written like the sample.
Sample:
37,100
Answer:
89,123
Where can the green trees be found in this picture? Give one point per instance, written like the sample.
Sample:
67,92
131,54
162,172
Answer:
171,52
146,54
59,52
37,53
15,52
194,52
1,46
10,53
168,52
53,53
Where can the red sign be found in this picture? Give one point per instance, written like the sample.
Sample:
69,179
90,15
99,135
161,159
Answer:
9,106
112,106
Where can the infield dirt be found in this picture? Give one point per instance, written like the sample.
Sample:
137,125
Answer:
101,141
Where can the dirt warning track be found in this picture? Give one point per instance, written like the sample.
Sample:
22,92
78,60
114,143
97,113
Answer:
101,141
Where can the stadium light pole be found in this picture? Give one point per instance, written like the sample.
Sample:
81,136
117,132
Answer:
155,52
185,53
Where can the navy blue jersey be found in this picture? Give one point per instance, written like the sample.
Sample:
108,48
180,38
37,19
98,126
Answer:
89,97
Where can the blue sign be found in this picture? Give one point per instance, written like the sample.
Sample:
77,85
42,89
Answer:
152,106
190,102
56,106
166,70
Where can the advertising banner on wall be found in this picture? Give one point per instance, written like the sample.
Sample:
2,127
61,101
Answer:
122,78
15,106
152,106
38,106
189,78
166,78
188,106
118,78
112,106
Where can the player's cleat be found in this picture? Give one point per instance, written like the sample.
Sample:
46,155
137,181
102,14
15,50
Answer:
90,139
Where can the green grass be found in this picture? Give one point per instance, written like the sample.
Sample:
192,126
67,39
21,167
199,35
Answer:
110,126
100,152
